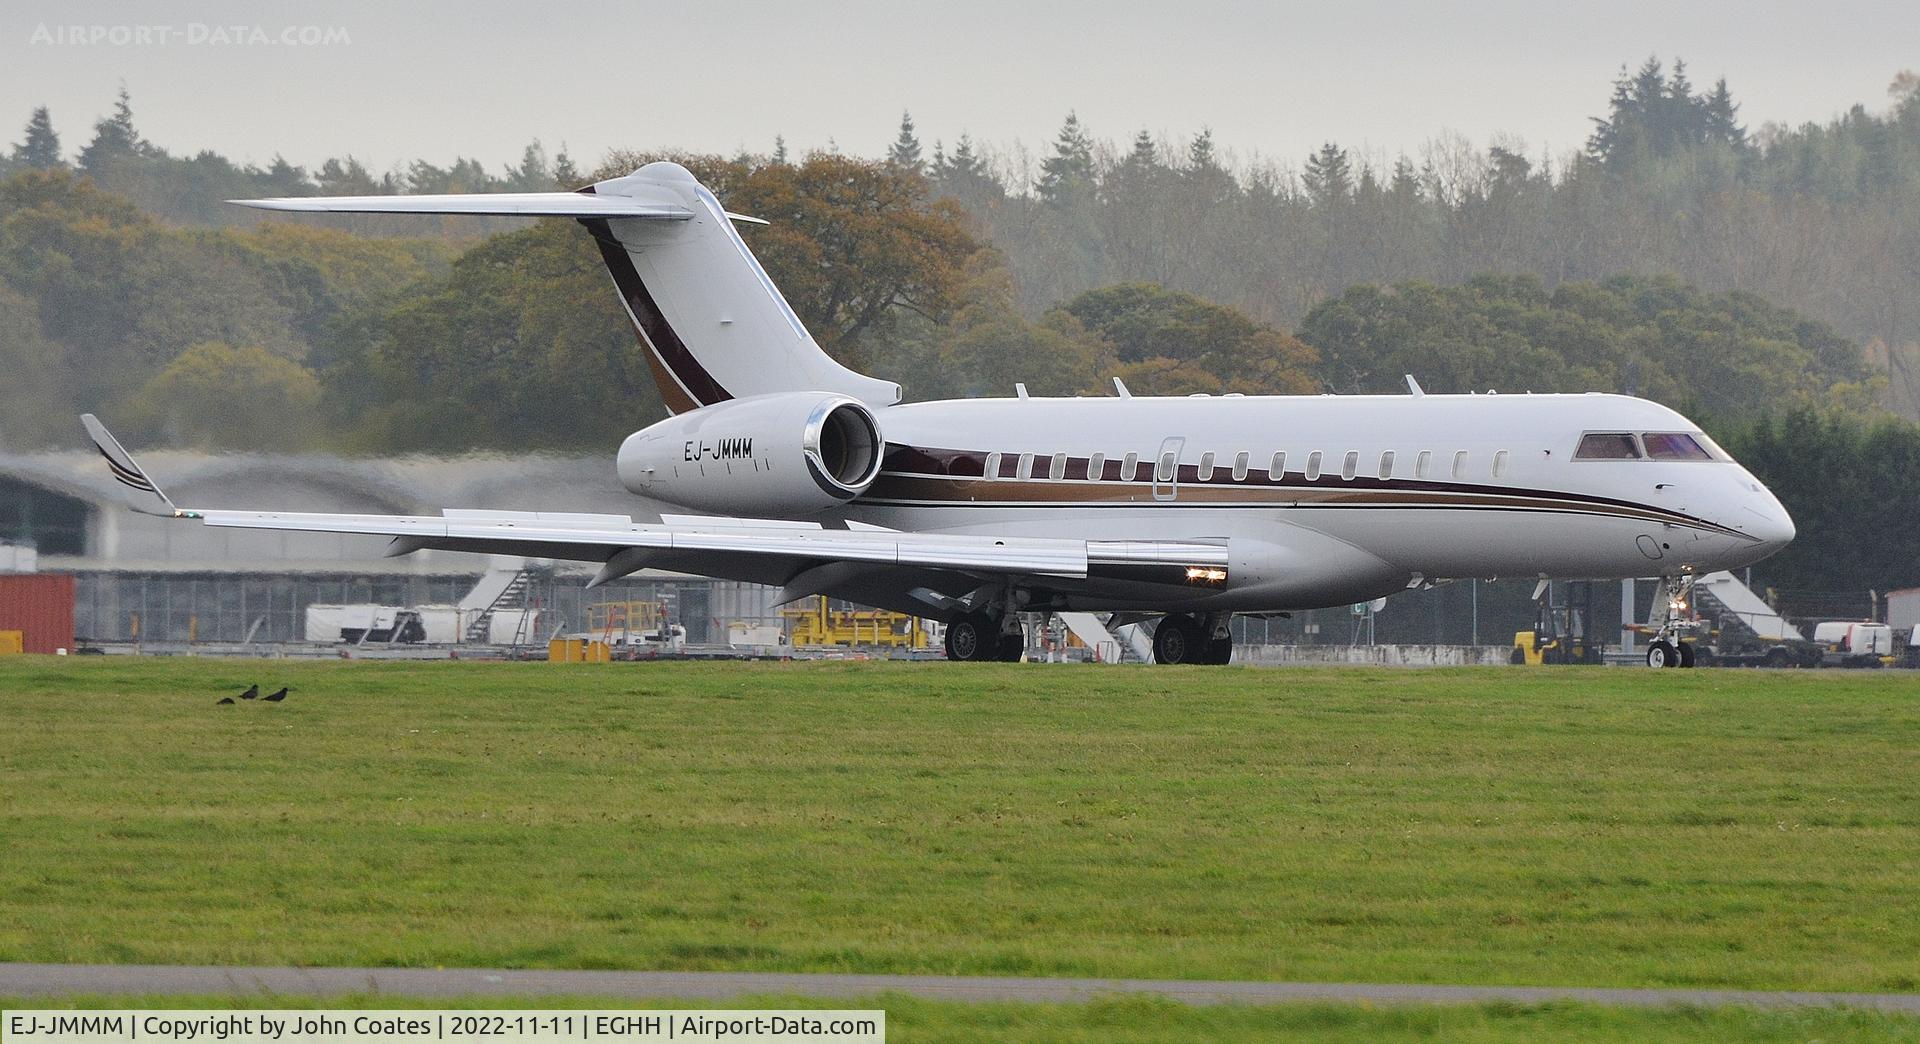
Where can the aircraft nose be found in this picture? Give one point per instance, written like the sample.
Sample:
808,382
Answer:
1767,521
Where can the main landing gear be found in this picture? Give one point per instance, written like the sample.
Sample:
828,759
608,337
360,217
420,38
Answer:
985,635
1186,638
979,636
1667,649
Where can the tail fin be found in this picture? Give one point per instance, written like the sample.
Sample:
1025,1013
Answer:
711,321
715,325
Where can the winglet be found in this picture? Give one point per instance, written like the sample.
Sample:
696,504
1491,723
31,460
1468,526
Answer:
1413,387
142,495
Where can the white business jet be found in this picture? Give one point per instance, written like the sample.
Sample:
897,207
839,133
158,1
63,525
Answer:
801,473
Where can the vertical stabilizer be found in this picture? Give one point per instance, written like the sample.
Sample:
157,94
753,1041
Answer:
712,323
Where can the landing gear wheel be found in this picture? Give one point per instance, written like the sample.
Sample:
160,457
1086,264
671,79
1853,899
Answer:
1688,657
1663,654
972,638
1178,640
1220,651
1011,647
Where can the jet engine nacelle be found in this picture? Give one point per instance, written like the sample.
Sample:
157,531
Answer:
765,455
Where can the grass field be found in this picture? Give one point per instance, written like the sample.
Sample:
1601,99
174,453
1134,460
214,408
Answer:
1570,826
1123,1020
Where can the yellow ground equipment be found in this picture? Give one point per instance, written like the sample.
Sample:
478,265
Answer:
12,643
815,622
1563,611
628,621
578,650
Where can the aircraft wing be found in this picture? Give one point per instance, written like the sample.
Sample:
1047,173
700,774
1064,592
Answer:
761,550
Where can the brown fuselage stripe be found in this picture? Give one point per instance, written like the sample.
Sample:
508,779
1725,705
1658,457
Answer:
1257,490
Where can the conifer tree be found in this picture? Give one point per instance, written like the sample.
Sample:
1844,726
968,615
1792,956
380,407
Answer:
964,163
1143,154
905,151
1329,175
1720,112
565,174
114,139
41,148
1200,155
1067,175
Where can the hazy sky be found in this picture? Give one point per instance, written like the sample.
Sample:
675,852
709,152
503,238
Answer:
481,78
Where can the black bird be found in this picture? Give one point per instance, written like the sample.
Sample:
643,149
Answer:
277,695
253,692
223,699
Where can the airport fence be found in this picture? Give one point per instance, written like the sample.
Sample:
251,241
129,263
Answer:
119,607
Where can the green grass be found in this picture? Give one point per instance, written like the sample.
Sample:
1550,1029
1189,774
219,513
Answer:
1124,1019
1565,826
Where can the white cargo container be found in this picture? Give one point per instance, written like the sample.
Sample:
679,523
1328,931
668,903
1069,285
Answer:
504,626
1849,643
438,624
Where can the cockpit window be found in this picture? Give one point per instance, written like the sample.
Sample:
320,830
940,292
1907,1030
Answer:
1674,445
1611,445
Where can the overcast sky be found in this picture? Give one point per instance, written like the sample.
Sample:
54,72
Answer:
481,78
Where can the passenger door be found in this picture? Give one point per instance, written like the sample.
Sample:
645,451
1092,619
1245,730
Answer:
1166,468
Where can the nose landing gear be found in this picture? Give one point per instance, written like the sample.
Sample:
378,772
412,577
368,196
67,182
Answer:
1667,649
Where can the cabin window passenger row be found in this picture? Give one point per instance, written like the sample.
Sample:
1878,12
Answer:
1096,467
1350,465
1025,470
1130,468
1460,464
1423,464
1278,466
1059,469
1313,466
1240,466
1500,464
1386,465
1205,471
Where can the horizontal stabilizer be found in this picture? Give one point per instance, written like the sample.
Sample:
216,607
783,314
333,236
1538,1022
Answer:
500,204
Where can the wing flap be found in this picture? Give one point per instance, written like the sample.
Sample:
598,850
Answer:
598,537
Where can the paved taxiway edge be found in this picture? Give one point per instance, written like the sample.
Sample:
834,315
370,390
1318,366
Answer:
54,980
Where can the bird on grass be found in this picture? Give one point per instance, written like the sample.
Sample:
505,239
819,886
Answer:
277,695
253,691
223,699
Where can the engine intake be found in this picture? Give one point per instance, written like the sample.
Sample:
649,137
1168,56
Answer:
769,455
842,444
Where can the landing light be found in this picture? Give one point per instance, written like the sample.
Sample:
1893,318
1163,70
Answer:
1206,574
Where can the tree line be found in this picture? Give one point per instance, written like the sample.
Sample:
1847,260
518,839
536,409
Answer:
961,270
